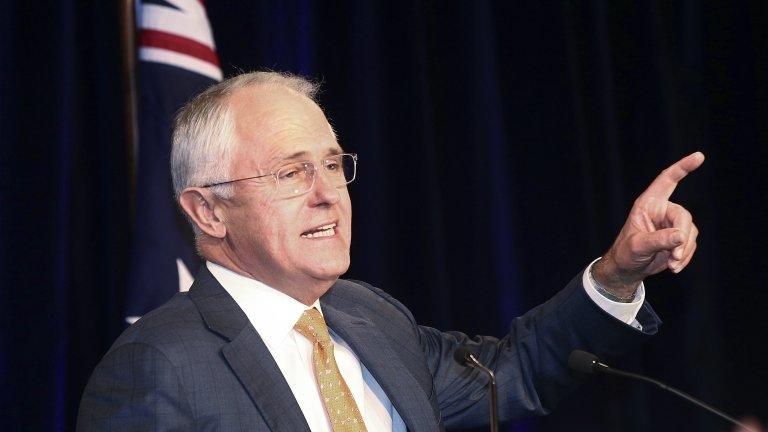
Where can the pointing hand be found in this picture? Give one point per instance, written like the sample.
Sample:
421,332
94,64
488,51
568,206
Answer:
657,235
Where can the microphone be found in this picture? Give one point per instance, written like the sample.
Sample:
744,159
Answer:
464,357
584,362
588,363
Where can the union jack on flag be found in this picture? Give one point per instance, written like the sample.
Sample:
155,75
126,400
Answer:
177,33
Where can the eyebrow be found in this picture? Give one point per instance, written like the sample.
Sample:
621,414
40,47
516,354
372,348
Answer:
332,151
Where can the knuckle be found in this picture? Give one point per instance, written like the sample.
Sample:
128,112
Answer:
680,211
634,244
677,238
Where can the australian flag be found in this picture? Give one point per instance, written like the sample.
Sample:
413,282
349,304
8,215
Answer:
177,59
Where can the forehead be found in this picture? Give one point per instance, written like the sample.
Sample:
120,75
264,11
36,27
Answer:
273,122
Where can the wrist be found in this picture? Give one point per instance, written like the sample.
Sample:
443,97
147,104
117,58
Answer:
609,282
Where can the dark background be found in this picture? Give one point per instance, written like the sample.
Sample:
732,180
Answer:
501,145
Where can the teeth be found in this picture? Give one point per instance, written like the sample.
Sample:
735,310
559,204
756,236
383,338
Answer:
323,231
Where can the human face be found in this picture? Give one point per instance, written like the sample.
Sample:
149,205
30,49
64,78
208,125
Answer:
267,236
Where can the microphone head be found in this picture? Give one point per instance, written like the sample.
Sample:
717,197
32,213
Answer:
582,361
461,355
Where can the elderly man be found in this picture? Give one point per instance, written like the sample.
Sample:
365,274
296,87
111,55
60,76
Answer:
270,339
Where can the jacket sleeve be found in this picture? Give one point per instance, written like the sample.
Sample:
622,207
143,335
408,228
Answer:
134,388
530,363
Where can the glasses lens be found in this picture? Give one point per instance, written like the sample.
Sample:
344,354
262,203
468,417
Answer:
341,169
295,178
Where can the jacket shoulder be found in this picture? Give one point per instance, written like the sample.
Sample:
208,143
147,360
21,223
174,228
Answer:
362,295
168,329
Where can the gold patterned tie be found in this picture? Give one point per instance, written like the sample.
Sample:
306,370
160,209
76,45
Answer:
339,403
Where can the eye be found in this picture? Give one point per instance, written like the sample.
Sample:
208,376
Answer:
332,165
292,172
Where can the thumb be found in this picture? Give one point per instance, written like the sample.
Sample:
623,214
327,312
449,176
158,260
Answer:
647,244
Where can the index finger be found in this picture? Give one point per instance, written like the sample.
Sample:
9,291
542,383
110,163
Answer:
666,182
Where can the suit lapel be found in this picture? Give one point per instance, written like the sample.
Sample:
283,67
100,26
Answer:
375,352
247,355
254,366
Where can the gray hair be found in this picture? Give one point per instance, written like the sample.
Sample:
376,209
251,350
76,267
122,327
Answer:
204,134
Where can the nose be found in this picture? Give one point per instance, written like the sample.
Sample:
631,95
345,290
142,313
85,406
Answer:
323,191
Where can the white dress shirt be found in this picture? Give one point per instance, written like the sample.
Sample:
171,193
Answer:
273,314
624,312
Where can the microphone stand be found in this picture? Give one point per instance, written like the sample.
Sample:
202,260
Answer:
585,362
473,362
603,368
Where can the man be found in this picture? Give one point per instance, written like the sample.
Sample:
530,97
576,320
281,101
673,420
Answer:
269,337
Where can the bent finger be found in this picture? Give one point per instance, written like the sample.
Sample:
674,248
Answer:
679,266
687,247
646,244
681,219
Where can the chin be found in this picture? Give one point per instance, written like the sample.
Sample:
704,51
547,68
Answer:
331,269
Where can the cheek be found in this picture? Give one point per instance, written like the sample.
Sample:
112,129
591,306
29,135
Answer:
345,203
283,227
259,228
346,206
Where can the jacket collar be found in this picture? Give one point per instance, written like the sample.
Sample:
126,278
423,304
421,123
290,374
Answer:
247,355
254,366
377,354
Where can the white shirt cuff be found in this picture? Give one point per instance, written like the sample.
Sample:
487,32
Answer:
624,312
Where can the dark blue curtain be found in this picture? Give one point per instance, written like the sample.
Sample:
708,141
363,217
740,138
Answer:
501,146
64,205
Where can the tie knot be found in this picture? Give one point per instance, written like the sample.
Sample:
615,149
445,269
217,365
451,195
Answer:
312,326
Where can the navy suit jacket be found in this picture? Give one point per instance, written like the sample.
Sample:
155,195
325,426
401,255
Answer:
196,363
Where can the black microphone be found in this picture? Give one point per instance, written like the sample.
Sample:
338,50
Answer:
464,357
588,363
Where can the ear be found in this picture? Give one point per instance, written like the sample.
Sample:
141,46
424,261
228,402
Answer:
201,206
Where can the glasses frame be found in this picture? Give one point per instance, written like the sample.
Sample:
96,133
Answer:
273,174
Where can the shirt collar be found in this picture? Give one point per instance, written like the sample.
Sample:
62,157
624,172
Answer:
271,312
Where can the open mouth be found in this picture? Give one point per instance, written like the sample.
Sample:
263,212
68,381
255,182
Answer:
321,231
